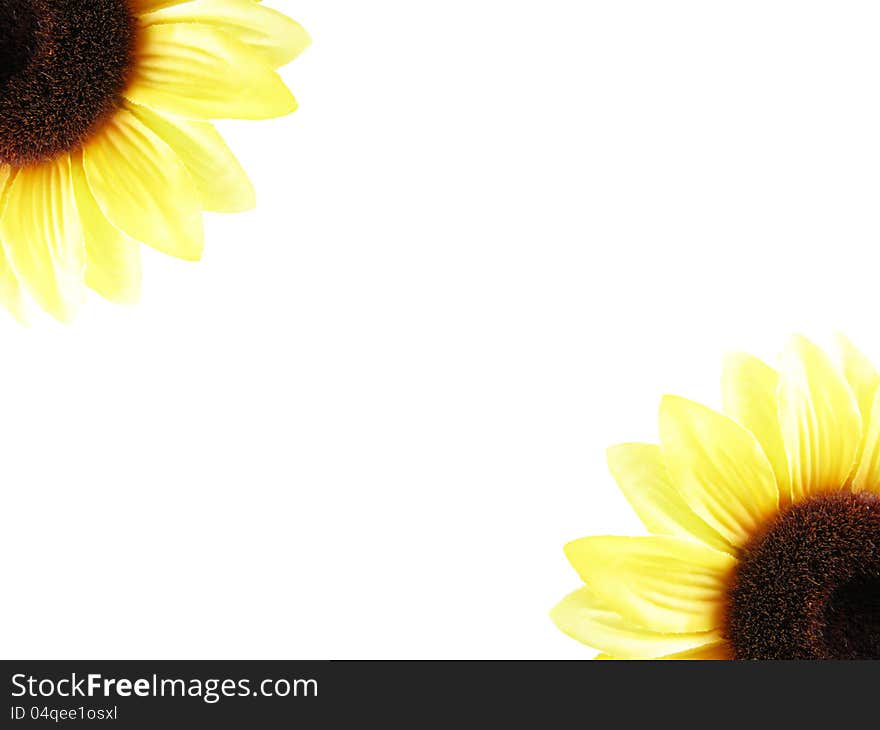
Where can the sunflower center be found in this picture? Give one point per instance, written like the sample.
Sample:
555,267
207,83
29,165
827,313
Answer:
63,66
808,587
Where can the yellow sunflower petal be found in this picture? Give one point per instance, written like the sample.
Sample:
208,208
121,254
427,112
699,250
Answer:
143,188
867,477
719,468
583,617
275,36
146,6
11,295
860,373
643,478
7,174
719,651
666,584
222,183
863,380
113,261
819,415
41,231
748,388
199,72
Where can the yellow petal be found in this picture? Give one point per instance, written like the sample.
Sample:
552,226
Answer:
820,420
863,380
860,373
41,231
199,72
719,468
222,184
749,394
145,6
719,651
11,295
113,261
7,175
867,477
641,473
583,617
143,188
665,584
276,37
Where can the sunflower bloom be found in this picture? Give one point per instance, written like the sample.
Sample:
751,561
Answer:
765,522
105,134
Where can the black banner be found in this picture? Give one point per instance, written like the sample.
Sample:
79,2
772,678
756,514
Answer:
258,694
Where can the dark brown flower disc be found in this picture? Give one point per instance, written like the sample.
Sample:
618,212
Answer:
63,67
808,586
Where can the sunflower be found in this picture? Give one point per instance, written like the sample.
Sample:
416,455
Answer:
105,138
765,522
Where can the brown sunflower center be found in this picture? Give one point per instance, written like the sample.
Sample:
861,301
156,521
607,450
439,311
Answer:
808,587
63,66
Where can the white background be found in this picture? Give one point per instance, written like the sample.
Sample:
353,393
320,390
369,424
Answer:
494,235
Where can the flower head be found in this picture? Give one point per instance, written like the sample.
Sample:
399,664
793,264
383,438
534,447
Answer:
105,138
765,522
